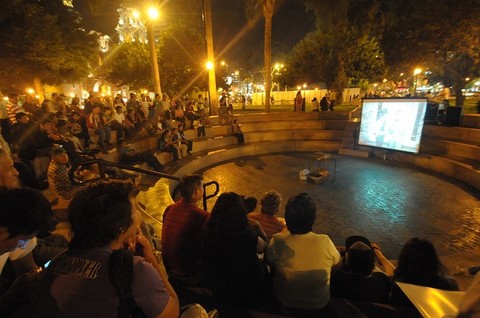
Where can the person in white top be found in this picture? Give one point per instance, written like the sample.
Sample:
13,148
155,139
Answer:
302,260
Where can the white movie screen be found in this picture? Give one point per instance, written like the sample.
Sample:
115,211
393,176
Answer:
395,124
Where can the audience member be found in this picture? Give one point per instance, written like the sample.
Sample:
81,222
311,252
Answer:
359,281
128,155
183,139
96,126
203,122
237,132
110,121
302,260
133,103
267,218
166,144
184,226
103,220
78,128
235,273
324,103
57,174
418,264
25,212
176,139
8,173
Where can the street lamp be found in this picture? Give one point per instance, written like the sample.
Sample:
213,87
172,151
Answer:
209,66
277,68
153,15
415,73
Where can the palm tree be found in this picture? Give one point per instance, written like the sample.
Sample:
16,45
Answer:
254,8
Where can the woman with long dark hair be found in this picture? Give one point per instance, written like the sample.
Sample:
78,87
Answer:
419,264
236,274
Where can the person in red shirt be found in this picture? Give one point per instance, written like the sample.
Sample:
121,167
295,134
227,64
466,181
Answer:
184,228
267,218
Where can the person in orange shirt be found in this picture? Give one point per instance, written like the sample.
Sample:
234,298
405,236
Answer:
271,224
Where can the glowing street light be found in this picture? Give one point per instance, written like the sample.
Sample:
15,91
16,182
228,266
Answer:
209,65
153,15
415,74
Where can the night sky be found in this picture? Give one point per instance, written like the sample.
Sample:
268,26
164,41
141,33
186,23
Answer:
290,24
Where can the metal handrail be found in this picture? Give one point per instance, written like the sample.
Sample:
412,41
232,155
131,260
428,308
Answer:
205,196
103,163
101,167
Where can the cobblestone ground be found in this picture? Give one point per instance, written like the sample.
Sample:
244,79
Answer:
384,200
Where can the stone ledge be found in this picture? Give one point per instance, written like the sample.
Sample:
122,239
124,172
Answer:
452,168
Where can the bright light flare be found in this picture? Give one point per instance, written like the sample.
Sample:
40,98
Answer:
417,71
209,65
153,13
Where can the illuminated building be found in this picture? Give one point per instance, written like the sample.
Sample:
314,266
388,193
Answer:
131,26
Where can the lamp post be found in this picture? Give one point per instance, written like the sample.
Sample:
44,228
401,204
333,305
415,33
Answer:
278,67
212,83
153,15
209,66
415,74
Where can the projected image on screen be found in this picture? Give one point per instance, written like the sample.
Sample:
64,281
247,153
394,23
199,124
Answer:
395,124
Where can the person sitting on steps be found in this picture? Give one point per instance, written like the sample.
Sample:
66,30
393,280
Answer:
237,132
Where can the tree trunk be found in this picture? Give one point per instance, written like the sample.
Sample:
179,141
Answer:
212,82
341,80
37,82
459,98
268,14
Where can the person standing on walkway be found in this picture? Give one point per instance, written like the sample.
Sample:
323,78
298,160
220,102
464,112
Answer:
314,104
298,101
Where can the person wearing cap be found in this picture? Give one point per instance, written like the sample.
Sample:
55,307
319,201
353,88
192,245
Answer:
301,260
382,263
58,174
358,281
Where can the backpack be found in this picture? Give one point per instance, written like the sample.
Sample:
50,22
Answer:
121,277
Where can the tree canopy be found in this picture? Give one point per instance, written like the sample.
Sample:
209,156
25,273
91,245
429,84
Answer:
344,50
439,36
180,51
42,39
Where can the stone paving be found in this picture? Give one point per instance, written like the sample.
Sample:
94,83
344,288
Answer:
384,200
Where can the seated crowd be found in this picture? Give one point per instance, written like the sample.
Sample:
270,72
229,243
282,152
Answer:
242,258
257,260
31,131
